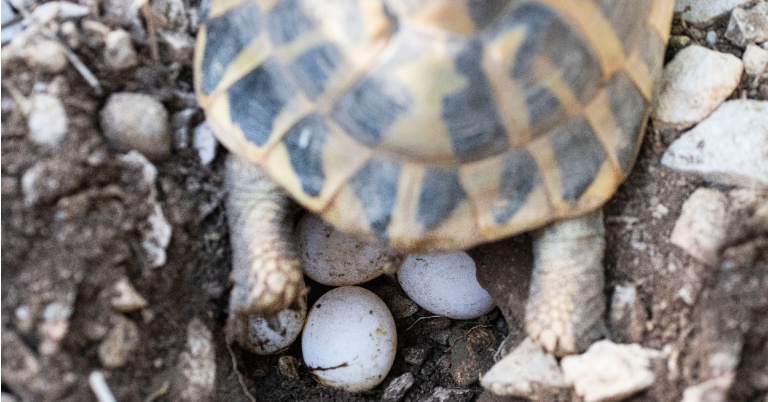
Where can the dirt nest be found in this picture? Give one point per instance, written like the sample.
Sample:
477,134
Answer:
76,218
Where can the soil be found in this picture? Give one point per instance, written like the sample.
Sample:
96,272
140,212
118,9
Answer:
64,250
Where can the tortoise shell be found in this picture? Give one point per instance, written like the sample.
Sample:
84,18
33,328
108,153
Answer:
434,124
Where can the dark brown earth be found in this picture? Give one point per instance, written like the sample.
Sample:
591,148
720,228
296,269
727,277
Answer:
64,251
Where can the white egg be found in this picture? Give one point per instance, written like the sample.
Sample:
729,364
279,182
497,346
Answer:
267,336
349,339
445,284
336,258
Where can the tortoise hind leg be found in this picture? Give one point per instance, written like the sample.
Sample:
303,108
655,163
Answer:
564,313
266,269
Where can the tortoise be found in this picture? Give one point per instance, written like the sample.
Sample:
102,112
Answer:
430,125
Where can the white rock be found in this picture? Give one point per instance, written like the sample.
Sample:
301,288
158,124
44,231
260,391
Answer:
197,364
205,142
702,12
714,390
609,372
349,339
729,147
748,26
524,372
693,84
755,59
136,121
119,53
47,120
445,284
335,258
269,336
701,228
47,54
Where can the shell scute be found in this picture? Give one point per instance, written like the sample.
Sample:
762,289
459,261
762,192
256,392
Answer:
432,124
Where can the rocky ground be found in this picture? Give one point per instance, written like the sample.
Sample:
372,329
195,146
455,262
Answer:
115,262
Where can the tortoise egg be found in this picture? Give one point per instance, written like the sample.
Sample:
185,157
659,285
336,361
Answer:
349,339
445,284
268,336
336,258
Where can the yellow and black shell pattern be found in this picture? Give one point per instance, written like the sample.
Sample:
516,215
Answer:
434,124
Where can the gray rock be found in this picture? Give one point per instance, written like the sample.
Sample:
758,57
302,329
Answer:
115,350
47,120
609,372
397,388
755,60
446,394
416,355
197,364
179,47
701,228
693,84
526,372
729,147
748,26
628,316
137,121
702,12
119,53
288,367
155,232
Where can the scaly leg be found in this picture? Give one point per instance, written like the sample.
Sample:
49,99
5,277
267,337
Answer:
564,313
266,268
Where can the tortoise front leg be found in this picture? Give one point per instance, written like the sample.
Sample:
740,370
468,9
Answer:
266,268
564,313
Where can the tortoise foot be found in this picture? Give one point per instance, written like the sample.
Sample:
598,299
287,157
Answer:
564,313
266,269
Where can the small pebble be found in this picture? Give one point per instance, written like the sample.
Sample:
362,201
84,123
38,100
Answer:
205,142
701,228
127,299
269,336
711,37
524,372
748,26
335,258
628,316
119,53
288,367
693,84
47,54
349,339
416,355
115,350
609,371
197,364
755,60
729,147
712,390
178,46
47,120
703,12
445,284
137,121
397,388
